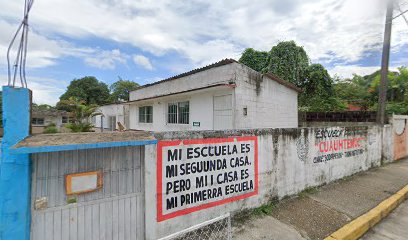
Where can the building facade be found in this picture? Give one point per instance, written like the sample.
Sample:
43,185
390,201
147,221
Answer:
110,117
223,95
40,119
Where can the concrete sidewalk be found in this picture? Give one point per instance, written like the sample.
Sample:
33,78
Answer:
317,213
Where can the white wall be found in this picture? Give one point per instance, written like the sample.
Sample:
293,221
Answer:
285,167
271,106
201,110
117,110
217,75
274,106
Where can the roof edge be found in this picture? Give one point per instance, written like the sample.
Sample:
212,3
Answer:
283,82
191,72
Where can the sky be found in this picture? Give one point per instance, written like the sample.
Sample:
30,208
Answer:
149,40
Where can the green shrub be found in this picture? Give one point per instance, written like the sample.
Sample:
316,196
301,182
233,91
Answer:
51,129
80,127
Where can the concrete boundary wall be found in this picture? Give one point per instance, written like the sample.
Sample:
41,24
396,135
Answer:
400,132
287,162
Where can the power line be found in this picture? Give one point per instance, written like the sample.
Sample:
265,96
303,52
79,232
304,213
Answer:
402,13
21,56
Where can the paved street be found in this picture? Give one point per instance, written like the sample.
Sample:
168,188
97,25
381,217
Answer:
394,227
317,214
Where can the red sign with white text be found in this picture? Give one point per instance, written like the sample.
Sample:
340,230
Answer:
197,174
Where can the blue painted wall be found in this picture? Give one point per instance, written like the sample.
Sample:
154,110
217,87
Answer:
15,170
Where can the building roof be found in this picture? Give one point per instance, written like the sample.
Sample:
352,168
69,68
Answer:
283,82
197,70
74,141
218,64
49,112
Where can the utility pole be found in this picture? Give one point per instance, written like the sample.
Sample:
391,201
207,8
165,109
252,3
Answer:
384,64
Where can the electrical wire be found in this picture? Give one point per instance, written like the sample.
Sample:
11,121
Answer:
19,64
402,13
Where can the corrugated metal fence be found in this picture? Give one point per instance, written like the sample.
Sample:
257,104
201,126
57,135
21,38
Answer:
114,212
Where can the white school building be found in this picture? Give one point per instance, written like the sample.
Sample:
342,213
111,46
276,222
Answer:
223,95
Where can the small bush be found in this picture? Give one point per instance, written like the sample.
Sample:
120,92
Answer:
80,127
51,129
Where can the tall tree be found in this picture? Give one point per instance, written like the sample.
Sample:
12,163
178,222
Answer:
317,81
87,89
120,90
397,85
257,60
354,91
289,61
318,90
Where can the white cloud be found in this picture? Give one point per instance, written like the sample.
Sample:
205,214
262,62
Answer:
200,30
106,59
205,31
45,90
42,51
143,61
347,71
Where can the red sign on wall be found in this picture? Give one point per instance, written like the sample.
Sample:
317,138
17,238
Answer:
197,174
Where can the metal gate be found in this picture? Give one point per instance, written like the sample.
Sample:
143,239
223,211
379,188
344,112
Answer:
116,211
223,112
218,228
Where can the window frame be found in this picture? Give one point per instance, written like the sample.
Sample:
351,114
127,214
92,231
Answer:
66,121
34,121
143,116
179,115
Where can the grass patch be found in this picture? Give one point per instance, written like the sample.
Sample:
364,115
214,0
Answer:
307,191
248,214
264,209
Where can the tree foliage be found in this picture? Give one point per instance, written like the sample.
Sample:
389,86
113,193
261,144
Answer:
257,60
353,91
42,107
289,61
80,113
318,93
397,85
87,89
120,90
364,91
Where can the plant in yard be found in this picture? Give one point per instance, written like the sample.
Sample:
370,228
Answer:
51,128
80,113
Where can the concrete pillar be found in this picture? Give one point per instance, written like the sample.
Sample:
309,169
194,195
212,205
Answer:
15,170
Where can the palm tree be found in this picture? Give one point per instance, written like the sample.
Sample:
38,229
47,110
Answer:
81,113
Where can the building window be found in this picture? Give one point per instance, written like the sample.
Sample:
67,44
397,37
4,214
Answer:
37,121
178,112
68,120
65,119
146,114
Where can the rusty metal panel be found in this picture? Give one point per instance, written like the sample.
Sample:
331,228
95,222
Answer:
116,211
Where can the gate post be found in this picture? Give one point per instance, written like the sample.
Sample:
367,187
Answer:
15,170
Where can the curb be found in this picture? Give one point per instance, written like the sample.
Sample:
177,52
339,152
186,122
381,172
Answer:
359,226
